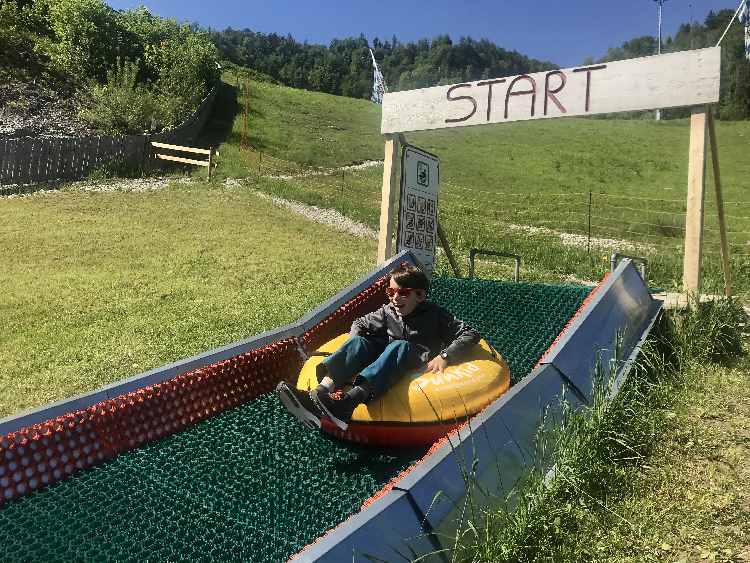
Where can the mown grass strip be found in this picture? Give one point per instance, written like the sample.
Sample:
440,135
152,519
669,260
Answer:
100,286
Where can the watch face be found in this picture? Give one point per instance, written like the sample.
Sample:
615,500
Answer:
444,355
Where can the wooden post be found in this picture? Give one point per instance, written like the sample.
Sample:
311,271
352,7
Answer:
447,248
210,161
720,207
691,269
388,198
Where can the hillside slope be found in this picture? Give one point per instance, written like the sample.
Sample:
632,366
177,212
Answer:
520,187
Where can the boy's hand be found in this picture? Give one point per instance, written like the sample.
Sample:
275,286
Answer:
437,364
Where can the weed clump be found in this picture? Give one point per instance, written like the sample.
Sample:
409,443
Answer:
594,457
710,332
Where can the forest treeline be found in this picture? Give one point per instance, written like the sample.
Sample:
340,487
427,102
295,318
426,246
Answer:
344,67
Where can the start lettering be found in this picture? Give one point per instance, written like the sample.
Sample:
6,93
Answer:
555,82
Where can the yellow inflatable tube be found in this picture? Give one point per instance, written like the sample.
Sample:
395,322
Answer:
422,406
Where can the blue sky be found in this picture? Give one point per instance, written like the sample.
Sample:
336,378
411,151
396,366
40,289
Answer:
561,31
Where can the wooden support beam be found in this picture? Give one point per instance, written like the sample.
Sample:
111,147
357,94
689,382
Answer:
691,269
180,148
388,198
447,248
181,160
720,207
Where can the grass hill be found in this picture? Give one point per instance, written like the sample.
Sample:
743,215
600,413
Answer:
517,187
104,281
521,187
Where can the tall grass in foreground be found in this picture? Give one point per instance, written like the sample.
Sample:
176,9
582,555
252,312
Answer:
599,452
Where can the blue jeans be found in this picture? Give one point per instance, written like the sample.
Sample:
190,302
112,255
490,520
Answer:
380,366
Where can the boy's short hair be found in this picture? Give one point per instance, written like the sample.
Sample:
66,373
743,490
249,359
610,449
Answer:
407,275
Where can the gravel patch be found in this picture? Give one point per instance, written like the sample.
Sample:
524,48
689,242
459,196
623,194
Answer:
581,241
329,217
35,110
131,185
327,171
103,186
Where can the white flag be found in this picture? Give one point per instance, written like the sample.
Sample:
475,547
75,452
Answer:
744,16
378,83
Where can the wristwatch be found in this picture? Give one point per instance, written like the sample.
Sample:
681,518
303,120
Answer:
444,355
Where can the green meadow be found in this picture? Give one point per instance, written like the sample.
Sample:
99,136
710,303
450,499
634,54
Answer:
98,286
619,184
101,286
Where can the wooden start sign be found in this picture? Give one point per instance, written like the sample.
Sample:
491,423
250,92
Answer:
688,78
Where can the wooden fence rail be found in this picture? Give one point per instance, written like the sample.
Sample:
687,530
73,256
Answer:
209,152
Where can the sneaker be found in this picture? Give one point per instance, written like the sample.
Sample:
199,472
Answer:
339,411
300,404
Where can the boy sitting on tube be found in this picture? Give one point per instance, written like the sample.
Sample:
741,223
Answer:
406,334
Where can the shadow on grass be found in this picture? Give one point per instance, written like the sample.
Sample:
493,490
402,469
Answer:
218,128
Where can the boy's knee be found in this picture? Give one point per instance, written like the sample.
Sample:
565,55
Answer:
399,345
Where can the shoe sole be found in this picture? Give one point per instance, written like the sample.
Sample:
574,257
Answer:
338,422
287,398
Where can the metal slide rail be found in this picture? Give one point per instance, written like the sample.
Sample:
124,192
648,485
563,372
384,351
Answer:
497,445
616,257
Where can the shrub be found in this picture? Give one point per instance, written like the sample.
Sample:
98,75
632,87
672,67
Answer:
19,37
85,37
123,105
186,67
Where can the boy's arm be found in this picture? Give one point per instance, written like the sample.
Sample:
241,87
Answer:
458,335
370,325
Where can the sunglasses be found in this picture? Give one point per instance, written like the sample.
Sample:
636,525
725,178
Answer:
402,291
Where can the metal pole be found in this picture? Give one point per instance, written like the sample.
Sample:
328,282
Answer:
588,242
734,17
658,45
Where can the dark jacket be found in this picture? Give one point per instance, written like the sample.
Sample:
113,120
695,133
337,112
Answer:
428,328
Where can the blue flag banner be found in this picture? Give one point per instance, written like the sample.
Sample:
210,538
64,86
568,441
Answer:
378,83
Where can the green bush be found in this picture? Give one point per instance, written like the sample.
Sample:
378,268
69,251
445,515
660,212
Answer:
85,36
168,67
123,105
186,66
19,38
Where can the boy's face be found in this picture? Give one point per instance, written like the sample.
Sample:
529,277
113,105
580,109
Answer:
405,299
